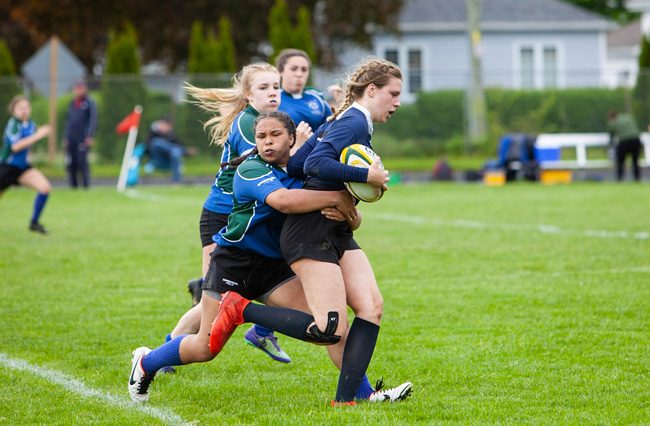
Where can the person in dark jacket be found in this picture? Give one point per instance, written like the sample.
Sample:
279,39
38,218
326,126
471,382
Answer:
624,134
79,134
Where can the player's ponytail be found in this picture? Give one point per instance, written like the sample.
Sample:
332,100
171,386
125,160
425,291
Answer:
226,103
371,71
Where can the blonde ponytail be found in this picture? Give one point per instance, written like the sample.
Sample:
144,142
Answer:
227,103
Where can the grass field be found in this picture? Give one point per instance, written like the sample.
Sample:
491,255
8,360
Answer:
521,304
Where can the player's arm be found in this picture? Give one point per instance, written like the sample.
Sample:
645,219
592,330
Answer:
297,201
28,141
255,182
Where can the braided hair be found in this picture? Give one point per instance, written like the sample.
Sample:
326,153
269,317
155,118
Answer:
371,71
283,118
226,103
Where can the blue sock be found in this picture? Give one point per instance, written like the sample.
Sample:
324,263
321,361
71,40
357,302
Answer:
263,331
168,337
365,389
163,356
39,204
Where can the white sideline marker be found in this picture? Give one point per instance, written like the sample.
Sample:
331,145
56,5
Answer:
76,386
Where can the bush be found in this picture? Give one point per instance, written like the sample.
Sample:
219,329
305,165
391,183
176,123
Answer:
435,122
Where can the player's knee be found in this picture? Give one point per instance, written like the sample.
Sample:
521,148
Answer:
329,335
372,310
45,188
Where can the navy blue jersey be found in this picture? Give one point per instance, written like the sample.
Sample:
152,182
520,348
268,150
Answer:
81,121
322,165
240,141
309,106
15,131
253,225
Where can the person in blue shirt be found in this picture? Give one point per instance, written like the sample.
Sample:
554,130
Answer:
79,134
247,257
306,107
19,135
303,104
322,252
256,89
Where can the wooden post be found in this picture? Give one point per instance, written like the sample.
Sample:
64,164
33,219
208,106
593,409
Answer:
54,75
477,115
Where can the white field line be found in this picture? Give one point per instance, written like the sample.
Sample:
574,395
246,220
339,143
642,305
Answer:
542,228
157,198
76,386
455,223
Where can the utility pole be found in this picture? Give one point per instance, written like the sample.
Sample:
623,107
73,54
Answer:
476,110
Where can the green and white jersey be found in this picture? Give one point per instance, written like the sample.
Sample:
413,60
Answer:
253,225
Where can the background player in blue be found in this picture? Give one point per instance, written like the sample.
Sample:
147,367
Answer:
79,134
248,250
256,89
343,270
306,107
19,135
301,103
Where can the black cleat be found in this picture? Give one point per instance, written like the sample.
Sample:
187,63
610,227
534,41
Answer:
194,287
38,228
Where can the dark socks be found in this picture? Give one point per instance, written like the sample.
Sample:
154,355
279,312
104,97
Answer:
290,322
359,347
163,356
39,204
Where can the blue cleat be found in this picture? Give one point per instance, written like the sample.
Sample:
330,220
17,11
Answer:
268,344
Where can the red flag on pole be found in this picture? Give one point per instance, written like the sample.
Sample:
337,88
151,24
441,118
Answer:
130,121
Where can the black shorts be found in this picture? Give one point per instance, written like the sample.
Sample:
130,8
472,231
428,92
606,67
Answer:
313,236
9,175
210,224
249,274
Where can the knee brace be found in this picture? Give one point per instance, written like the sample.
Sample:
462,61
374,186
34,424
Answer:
317,337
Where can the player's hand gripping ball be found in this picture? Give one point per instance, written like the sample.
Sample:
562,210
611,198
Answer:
358,155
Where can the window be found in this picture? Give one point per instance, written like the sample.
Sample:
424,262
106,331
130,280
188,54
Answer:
538,66
527,68
415,70
549,66
392,55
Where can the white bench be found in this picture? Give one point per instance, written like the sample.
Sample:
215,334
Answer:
548,147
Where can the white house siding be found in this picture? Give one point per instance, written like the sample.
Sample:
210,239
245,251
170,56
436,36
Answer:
445,59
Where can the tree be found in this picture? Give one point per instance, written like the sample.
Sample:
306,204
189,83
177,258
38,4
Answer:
280,28
211,63
642,90
8,82
165,29
122,89
302,35
228,51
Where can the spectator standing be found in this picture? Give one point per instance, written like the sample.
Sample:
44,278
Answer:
79,134
624,135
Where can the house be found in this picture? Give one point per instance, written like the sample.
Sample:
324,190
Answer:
623,48
525,44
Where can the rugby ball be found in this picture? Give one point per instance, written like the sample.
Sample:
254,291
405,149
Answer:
358,155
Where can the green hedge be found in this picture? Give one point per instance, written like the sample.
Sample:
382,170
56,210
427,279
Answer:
435,122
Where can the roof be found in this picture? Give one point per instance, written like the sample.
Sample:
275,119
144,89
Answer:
428,15
626,36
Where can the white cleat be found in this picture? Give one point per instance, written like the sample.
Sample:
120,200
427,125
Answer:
398,393
139,381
